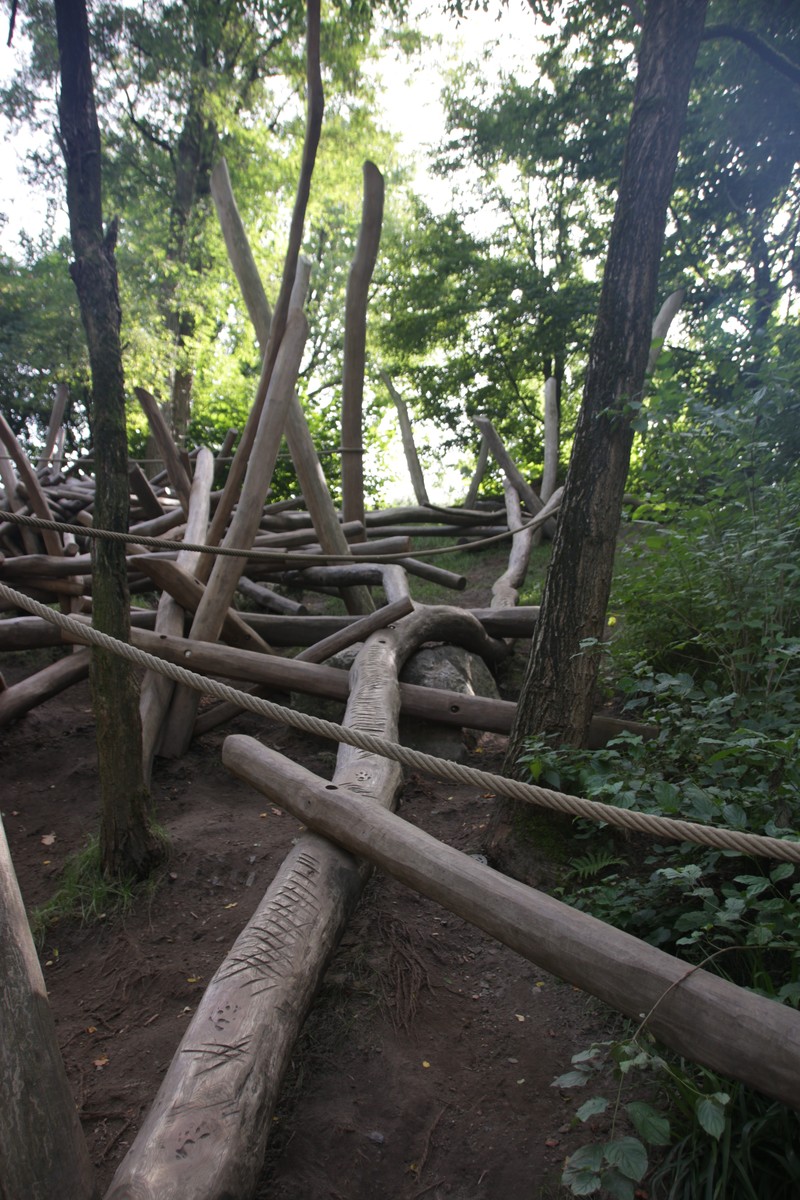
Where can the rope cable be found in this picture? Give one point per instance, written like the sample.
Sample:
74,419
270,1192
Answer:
663,827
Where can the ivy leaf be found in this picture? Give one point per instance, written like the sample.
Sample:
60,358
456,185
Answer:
629,1156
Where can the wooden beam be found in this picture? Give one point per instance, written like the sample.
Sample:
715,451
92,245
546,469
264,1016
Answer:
355,336
21,697
689,1010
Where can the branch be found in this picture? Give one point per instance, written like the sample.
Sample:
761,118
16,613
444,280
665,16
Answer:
779,62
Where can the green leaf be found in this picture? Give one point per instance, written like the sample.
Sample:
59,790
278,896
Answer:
629,1156
617,1185
649,1124
711,1115
591,1108
784,871
581,1172
571,1079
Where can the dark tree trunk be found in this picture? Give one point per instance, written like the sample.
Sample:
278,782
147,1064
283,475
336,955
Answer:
127,846
558,689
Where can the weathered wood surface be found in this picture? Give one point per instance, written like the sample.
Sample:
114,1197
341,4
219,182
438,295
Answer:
188,592
42,1148
176,470
19,698
358,631
689,1010
156,690
272,601
225,573
205,1136
29,633
355,340
434,704
409,446
498,449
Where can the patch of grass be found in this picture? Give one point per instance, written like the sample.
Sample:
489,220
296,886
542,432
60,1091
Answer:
84,894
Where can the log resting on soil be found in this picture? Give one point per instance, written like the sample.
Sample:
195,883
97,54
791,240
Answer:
690,1010
205,1136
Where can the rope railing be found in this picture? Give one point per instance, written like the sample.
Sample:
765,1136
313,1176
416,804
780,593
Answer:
258,553
575,806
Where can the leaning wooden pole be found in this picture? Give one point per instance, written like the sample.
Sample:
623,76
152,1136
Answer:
310,475
355,341
688,1009
42,1149
315,106
409,445
205,1136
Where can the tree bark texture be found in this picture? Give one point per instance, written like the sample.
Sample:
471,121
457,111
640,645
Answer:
558,689
126,844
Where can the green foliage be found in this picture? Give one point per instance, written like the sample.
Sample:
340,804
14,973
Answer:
84,894
719,1140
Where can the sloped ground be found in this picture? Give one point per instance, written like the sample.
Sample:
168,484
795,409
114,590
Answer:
426,1066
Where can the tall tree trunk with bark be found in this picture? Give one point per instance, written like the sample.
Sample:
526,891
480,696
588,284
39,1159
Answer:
127,846
558,690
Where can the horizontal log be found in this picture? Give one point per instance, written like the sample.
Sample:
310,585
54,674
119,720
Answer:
433,514
266,598
689,1010
434,574
21,697
358,631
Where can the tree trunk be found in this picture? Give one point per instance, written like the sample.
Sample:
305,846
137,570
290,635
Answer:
127,846
558,690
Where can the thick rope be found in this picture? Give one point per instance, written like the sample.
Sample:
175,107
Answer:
259,553
661,827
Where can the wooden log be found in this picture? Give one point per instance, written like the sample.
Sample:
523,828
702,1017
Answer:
55,423
505,589
205,1136
315,103
551,440
664,318
21,697
434,574
689,1010
35,493
178,475
156,690
158,526
28,633
433,514
480,470
266,598
223,458
531,500
188,592
42,1147
218,595
355,339
435,531
142,490
298,436
358,631
409,446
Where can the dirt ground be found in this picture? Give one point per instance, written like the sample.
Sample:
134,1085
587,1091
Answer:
425,1068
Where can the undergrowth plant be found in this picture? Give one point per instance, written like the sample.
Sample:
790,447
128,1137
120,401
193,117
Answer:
706,647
